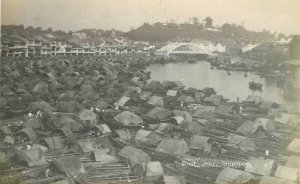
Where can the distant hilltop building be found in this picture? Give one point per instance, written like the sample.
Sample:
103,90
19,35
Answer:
79,35
249,47
266,51
213,29
284,41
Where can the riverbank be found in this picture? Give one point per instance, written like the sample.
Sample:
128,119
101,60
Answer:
230,63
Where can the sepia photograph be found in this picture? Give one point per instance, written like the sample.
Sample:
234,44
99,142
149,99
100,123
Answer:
150,92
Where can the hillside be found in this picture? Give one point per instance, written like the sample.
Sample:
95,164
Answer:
159,32
85,35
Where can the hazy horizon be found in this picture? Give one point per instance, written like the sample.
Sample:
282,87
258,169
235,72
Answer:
273,15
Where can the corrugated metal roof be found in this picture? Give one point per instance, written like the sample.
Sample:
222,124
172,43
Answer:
134,155
229,176
154,169
287,173
84,147
172,92
69,165
273,180
2,157
293,161
104,128
123,100
243,143
128,118
187,117
172,146
200,142
294,146
171,180
159,113
124,134
32,157
101,155
260,166
54,142
156,100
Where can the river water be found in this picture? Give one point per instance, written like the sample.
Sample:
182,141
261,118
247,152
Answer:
200,75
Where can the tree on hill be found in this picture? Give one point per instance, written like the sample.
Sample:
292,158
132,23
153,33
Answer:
208,22
227,29
280,36
10,29
294,46
49,30
29,29
38,30
60,33
196,20
276,55
230,30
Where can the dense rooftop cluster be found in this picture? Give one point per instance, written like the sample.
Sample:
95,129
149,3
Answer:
100,119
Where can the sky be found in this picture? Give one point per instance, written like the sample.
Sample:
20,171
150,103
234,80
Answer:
274,15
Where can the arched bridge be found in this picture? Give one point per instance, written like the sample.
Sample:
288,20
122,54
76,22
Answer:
189,48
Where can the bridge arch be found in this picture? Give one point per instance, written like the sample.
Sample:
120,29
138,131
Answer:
183,48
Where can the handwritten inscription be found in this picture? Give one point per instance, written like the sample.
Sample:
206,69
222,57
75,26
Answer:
214,163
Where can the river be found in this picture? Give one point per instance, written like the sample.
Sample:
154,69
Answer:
200,75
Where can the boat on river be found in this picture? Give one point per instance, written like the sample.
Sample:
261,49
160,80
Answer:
255,85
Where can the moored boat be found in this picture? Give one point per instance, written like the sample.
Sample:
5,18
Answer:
255,85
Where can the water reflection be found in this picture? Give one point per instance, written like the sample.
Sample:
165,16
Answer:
200,75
